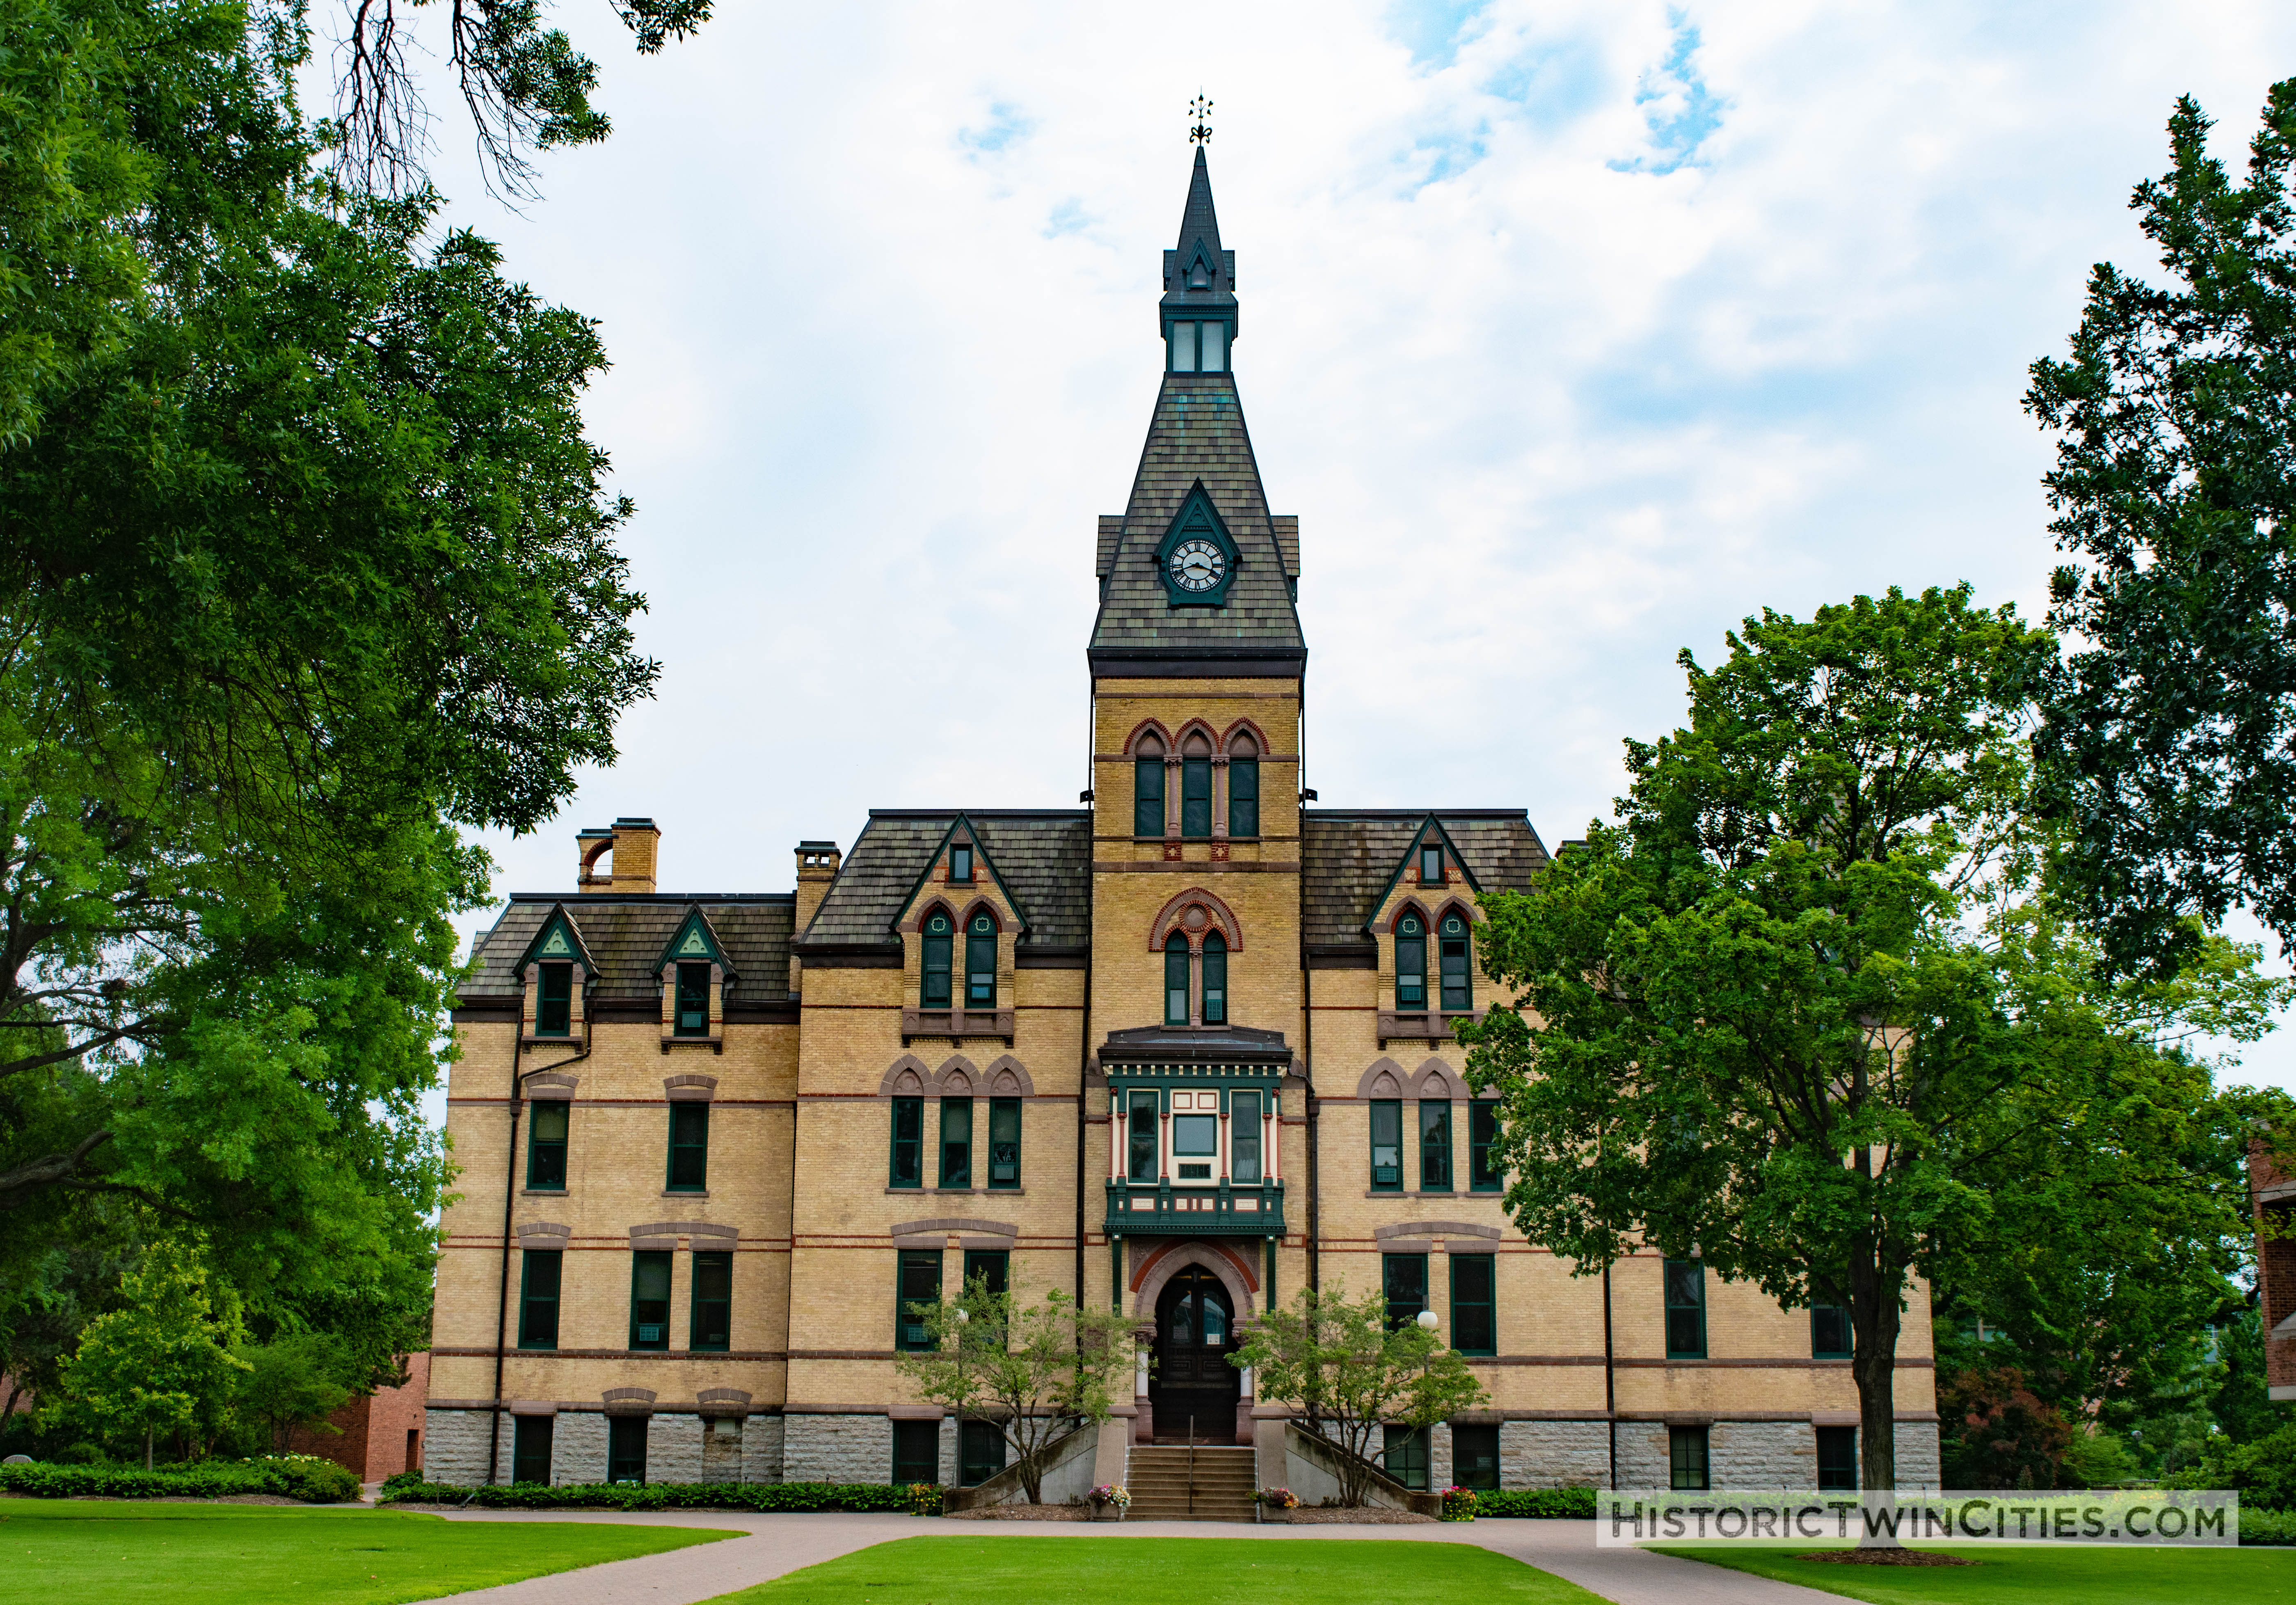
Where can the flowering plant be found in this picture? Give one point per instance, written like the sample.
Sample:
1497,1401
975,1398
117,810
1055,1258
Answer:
1279,1498
924,1498
1108,1494
1458,1504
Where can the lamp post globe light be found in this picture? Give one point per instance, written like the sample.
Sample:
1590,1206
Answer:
1426,1319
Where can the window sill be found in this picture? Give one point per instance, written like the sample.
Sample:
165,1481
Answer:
957,1024
1423,1025
541,1192
684,1192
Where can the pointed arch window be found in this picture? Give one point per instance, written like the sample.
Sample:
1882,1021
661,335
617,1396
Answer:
939,939
1148,787
1457,951
1214,979
1196,787
980,963
1243,788
1410,962
1176,980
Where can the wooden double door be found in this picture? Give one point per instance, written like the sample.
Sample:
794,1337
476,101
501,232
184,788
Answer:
1193,1380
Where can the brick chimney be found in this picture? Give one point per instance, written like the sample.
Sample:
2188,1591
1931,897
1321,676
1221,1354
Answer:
816,868
630,844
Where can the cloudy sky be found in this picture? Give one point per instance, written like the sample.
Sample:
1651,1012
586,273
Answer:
1572,332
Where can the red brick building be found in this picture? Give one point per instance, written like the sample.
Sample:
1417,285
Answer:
379,1435
2275,1196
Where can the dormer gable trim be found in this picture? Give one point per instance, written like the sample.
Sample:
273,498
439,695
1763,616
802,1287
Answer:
1431,826
1199,518
984,870
559,941
694,942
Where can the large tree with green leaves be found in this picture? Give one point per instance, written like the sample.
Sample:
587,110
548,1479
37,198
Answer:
2169,749
161,1363
1787,1018
305,560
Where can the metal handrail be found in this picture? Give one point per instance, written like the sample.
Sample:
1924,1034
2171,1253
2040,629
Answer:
1191,1465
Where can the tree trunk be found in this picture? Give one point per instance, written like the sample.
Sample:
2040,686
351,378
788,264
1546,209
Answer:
147,1447
1874,1320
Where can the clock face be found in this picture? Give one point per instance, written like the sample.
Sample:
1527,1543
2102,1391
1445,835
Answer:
1197,565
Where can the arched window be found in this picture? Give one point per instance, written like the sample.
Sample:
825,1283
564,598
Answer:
1410,963
939,937
1456,993
1243,788
1214,979
980,963
1196,787
1176,980
1148,787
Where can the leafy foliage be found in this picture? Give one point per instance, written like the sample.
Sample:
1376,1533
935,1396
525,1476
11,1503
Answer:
302,1477
1037,1371
1334,1359
409,1488
297,1381
162,1363
1790,1017
2263,1470
2169,749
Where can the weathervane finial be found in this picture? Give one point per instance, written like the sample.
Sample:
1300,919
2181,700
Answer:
1200,109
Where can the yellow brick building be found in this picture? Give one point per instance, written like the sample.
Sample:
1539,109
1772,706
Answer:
1182,1050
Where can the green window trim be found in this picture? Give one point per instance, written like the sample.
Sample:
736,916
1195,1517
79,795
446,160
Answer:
916,1280
1243,1137
980,963
649,1298
530,1448
993,1266
1410,964
1431,864
1403,1453
553,1001
955,1142
540,1276
1195,798
545,1144
1434,1145
1386,1124
625,1448
1148,797
980,1452
1685,1310
908,1142
1403,1277
1215,982
1003,1144
709,1324
933,986
1837,1459
1482,1146
1474,1304
1830,1337
1686,1458
692,1015
916,1453
1244,796
960,863
689,1146
1458,952
1176,980
1143,1144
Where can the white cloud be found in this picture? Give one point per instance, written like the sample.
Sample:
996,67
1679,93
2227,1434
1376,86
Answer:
1580,331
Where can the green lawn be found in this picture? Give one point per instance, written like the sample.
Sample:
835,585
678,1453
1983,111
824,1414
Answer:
54,1551
2023,1575
1203,1571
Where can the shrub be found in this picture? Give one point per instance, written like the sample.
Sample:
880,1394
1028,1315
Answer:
1550,1504
2263,1472
926,1499
662,1496
2267,1527
1459,1504
302,1477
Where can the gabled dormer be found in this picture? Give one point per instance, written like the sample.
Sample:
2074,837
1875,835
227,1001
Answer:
960,929
558,974
1424,921
1197,558
694,980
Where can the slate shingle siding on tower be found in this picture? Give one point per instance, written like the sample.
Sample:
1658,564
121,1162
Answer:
626,936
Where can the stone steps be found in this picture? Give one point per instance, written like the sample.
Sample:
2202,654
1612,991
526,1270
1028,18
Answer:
1223,1479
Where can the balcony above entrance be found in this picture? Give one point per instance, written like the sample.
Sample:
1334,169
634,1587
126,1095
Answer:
1168,1211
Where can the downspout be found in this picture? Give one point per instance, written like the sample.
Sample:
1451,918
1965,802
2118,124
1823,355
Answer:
510,1201
1610,1379
1315,1171
1084,1066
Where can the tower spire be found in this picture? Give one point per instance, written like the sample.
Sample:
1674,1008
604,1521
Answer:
1199,312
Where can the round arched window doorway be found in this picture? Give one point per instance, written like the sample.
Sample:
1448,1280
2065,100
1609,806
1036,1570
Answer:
1193,1381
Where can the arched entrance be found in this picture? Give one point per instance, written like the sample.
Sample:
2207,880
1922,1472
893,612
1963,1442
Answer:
1193,1380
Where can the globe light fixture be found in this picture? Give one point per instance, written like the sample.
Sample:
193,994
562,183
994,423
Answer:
1426,1319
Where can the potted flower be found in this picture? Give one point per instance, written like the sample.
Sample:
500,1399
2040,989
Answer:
1458,1504
1281,1500
924,1498
1108,1503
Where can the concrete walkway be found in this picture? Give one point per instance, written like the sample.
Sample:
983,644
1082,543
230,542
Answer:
774,1544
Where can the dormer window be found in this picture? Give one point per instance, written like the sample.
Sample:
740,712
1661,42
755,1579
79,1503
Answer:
1431,866
553,1012
692,999
939,939
1198,348
960,864
1456,993
980,963
1410,963
1199,279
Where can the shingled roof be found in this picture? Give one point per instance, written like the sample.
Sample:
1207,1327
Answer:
1043,857
1348,859
625,933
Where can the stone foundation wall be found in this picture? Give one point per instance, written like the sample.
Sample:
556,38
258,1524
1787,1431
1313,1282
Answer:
1555,1455
850,1449
454,1445
1919,1465
1761,1454
577,1449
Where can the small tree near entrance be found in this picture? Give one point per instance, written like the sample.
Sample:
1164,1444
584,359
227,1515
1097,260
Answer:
1036,1370
1336,1360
